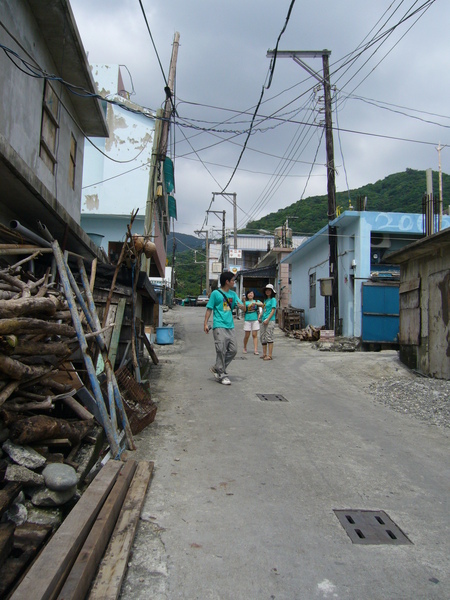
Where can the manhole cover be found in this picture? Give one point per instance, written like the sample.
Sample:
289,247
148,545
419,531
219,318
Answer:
272,397
371,527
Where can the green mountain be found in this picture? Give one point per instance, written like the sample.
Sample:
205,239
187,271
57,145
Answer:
400,192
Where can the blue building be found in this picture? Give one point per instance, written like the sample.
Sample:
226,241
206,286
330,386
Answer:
367,283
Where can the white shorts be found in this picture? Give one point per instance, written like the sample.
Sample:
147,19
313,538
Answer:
251,325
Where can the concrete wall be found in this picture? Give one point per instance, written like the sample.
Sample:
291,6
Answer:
425,309
21,99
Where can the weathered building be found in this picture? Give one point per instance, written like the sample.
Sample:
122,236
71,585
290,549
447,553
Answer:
43,124
367,284
424,335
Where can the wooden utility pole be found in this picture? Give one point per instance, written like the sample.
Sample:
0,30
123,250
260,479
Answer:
159,149
169,107
331,182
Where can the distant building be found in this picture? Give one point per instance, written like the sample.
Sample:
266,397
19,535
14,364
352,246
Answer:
42,124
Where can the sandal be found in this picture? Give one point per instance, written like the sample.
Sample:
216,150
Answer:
244,351
256,353
263,357
267,358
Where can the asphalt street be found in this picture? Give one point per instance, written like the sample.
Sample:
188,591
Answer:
241,503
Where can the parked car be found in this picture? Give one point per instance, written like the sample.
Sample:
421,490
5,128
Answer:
202,300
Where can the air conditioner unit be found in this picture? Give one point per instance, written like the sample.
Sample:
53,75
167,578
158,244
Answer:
380,240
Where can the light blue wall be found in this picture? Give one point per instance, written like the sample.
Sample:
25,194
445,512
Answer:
354,231
112,227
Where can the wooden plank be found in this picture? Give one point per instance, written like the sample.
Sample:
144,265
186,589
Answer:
113,567
6,540
79,579
46,576
27,541
114,345
150,350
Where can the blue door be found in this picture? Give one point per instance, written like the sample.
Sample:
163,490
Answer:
380,312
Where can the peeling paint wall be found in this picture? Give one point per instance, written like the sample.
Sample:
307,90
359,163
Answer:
118,182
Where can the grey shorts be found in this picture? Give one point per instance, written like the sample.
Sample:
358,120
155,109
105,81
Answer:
266,334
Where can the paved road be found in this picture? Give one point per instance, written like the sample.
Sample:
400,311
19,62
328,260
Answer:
241,502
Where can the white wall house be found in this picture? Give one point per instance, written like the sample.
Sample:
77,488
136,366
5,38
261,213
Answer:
364,241
117,173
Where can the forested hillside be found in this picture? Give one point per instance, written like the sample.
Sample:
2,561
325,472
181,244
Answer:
400,192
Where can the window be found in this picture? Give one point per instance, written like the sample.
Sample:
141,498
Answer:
312,290
49,127
72,161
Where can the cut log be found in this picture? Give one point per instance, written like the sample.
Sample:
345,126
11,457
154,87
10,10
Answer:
25,325
17,370
28,306
111,573
27,348
46,577
41,427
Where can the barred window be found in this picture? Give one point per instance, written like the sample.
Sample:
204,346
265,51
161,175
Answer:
312,290
49,127
72,161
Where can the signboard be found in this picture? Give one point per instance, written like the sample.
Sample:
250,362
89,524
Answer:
235,268
235,253
217,267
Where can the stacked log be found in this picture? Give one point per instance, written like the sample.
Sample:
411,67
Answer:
308,334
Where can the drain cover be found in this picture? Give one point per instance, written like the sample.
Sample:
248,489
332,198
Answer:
272,397
371,527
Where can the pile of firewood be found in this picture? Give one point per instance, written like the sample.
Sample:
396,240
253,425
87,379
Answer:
309,334
36,338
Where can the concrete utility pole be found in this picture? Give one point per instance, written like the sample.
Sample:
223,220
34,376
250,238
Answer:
205,231
221,212
331,183
439,148
233,195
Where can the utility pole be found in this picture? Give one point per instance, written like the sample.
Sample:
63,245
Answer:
233,195
221,212
169,107
205,231
159,148
439,148
331,183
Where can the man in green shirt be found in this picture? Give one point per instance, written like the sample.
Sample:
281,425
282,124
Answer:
221,304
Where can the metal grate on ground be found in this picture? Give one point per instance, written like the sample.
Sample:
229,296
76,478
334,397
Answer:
272,397
371,527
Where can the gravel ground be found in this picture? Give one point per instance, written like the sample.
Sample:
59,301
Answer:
389,381
423,397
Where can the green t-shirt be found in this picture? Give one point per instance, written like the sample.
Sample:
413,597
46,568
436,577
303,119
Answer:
251,314
269,303
223,309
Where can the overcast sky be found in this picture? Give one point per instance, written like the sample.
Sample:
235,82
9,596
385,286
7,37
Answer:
390,78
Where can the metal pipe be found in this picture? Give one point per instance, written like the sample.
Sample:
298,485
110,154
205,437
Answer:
30,235
45,232
63,273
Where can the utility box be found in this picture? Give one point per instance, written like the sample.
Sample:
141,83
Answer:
326,286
